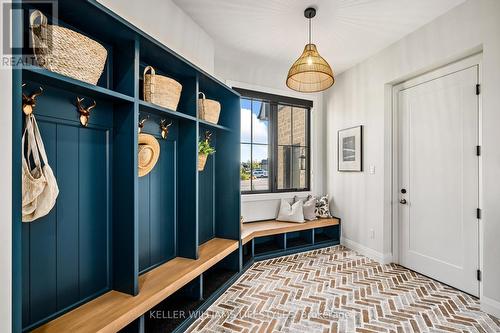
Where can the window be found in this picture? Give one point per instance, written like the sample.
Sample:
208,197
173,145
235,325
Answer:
274,143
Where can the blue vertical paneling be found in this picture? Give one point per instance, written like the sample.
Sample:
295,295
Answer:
144,222
206,228
93,210
26,273
67,215
162,240
65,252
42,253
157,209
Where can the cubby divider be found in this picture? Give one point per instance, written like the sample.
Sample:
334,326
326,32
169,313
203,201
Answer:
187,190
247,253
125,202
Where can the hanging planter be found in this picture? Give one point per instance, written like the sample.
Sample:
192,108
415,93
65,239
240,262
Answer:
204,150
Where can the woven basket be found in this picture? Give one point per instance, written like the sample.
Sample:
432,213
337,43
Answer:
209,109
202,160
161,90
65,51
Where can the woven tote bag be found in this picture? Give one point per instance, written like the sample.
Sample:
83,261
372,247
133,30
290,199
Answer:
39,185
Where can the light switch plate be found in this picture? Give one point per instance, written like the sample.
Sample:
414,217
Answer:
371,169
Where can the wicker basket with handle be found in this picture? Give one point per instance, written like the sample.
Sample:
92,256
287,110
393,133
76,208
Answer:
65,51
209,109
161,90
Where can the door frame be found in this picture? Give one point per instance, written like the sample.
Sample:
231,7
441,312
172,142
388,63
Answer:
441,71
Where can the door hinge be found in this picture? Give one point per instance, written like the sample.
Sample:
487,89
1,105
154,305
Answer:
478,89
478,150
478,275
478,213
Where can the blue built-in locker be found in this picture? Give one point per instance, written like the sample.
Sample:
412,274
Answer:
157,204
109,226
66,254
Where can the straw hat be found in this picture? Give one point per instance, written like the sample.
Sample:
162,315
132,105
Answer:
149,152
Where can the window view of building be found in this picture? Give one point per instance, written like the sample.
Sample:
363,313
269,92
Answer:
274,144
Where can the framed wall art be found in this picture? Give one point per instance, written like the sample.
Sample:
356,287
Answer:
350,149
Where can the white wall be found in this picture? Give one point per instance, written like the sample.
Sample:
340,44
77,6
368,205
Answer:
5,195
361,96
165,21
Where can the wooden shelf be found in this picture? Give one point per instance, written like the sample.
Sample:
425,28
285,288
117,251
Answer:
267,228
46,77
213,126
161,111
114,310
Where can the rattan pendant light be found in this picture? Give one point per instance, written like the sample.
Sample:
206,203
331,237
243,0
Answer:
310,73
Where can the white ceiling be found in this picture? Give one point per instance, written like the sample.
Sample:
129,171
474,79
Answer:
345,31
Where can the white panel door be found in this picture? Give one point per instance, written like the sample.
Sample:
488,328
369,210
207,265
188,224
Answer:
439,178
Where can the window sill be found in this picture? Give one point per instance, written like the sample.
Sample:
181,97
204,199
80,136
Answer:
273,196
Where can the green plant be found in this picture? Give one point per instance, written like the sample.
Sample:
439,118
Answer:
204,148
244,175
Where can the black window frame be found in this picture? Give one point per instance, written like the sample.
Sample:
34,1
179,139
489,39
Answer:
274,101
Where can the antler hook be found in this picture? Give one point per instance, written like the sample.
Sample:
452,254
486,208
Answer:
29,102
164,128
208,135
141,123
84,111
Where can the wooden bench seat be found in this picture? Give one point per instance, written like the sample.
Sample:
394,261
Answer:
114,310
250,230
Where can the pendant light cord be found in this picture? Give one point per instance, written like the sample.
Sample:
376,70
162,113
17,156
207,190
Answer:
309,30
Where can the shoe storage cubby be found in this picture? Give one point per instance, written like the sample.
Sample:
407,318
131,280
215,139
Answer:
111,231
299,239
270,239
327,234
219,275
269,244
175,310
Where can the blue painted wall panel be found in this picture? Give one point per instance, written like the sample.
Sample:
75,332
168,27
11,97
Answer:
162,240
157,205
206,228
67,215
65,253
93,211
144,222
42,253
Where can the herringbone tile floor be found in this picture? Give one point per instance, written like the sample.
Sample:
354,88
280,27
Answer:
336,290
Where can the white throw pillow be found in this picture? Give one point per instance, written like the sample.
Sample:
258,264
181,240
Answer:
291,212
309,207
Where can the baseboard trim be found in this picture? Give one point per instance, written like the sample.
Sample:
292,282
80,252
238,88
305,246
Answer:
490,306
366,251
